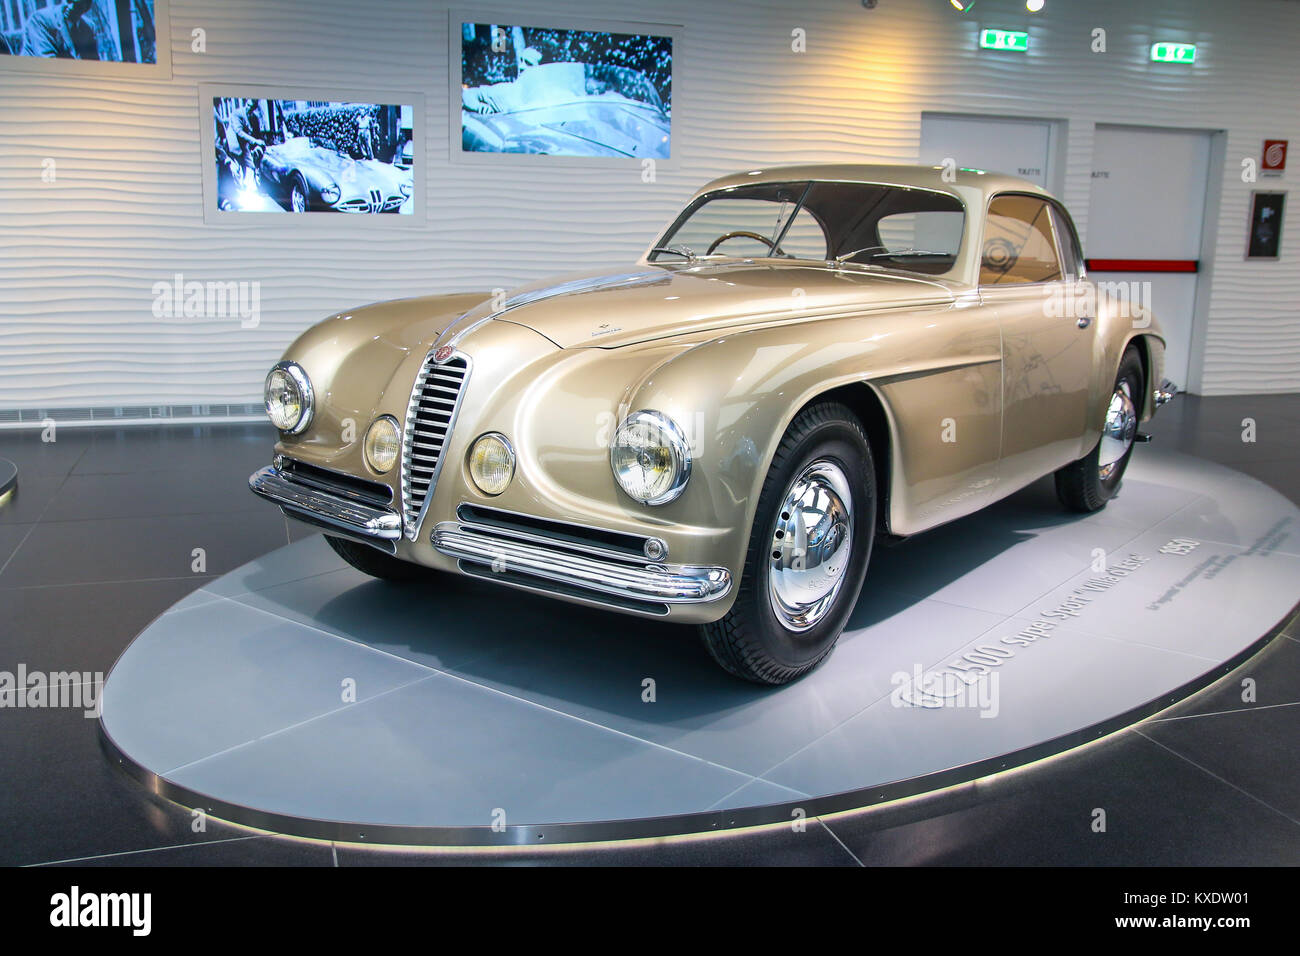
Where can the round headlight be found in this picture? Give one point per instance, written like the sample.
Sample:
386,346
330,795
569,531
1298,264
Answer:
651,457
288,398
492,463
383,444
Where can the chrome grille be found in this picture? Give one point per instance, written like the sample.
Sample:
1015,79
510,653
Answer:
430,417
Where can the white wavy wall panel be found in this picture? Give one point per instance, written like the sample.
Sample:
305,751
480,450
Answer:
79,257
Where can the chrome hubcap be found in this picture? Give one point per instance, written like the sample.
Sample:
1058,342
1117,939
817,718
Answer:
1119,431
811,545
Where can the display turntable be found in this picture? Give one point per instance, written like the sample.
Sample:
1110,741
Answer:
295,695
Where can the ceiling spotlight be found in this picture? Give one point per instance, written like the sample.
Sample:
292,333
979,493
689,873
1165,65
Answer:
962,5
1033,6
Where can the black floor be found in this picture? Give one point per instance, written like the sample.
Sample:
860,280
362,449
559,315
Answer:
108,528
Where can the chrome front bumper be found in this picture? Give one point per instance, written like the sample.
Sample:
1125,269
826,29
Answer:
554,565
606,568
1165,393
334,510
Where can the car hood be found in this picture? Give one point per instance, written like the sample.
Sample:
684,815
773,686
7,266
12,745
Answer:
609,125
354,350
612,309
352,175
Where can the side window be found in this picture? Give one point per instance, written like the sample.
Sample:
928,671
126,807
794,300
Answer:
938,231
1018,243
1071,254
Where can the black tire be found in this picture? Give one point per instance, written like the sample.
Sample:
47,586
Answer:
751,641
299,186
1079,485
375,563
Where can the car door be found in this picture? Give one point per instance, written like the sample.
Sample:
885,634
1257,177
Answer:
1031,275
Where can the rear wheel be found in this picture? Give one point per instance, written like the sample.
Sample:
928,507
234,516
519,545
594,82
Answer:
375,563
1087,484
808,551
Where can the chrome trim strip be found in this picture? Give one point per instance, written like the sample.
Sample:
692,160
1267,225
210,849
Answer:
411,525
289,468
671,584
632,552
325,508
542,540
553,589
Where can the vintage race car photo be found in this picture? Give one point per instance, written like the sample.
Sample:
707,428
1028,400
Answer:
303,156
304,177
807,360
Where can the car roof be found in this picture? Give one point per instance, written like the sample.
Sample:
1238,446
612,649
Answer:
922,177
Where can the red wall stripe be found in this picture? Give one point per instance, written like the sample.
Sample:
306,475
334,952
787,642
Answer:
1142,265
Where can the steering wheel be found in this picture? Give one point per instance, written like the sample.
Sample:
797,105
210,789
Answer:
740,234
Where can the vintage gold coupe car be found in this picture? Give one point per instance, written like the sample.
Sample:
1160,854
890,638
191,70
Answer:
808,357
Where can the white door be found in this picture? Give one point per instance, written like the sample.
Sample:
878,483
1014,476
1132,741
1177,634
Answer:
997,144
1145,218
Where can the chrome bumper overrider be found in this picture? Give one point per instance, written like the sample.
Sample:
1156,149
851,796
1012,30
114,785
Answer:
534,560
1165,393
335,510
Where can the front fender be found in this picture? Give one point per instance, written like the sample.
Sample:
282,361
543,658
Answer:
736,395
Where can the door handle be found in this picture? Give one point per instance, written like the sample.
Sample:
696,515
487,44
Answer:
1084,321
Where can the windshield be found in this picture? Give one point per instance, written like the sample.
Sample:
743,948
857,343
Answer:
864,223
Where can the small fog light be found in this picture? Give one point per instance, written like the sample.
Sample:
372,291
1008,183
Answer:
383,444
655,549
492,463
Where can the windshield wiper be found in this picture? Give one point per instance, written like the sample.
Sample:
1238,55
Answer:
879,252
912,252
841,259
683,251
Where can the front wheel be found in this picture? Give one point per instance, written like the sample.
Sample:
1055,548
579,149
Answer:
1087,484
808,551
298,195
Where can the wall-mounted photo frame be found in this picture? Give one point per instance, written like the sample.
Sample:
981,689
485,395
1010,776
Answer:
527,88
1264,239
123,38
311,155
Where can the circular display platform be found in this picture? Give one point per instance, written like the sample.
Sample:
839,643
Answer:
8,478
298,696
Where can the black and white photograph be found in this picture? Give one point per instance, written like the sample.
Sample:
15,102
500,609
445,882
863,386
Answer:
302,156
565,92
115,31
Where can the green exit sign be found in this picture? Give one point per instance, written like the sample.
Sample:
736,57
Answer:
1004,40
1165,52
